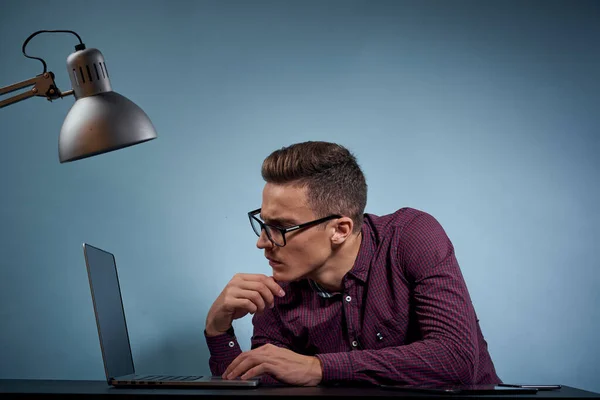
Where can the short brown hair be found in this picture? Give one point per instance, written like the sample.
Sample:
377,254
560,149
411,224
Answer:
334,181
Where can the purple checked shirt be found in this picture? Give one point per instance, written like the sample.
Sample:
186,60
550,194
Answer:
403,315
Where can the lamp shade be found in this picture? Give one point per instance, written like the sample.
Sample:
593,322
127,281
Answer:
101,123
101,120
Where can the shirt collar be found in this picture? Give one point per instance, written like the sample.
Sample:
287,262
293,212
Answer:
320,290
360,270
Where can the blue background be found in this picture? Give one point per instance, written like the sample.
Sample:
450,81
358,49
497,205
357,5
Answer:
484,114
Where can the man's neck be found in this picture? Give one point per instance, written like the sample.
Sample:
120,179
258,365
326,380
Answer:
331,274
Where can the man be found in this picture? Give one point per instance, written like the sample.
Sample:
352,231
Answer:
354,297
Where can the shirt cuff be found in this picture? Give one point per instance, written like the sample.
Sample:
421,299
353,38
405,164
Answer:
337,367
224,347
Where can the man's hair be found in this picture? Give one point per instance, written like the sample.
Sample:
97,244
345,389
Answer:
334,181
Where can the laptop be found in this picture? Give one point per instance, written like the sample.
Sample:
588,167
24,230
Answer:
114,338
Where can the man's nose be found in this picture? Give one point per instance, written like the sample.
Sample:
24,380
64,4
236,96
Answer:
263,241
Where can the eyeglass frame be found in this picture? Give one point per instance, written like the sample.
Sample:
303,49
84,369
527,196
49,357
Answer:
252,215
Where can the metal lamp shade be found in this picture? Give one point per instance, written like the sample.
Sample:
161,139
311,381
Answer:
101,123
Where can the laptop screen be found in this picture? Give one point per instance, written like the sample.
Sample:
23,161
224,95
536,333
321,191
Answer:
110,317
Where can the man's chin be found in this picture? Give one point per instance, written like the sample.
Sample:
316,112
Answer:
281,276
285,276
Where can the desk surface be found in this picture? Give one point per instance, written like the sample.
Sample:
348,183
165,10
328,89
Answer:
62,389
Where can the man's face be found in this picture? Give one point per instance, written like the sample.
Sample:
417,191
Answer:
306,250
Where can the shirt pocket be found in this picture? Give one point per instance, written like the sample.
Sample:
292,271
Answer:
382,334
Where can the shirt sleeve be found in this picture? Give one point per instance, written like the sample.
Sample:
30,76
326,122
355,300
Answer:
268,329
223,350
447,351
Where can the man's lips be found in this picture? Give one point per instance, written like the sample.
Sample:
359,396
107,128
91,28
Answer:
273,261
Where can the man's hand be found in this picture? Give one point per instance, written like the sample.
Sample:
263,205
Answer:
283,364
245,293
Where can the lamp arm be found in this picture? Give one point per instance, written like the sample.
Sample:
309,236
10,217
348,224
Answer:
43,86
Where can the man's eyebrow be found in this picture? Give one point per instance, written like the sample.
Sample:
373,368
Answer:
278,221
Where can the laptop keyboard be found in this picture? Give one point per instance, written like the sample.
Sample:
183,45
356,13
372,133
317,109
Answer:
166,378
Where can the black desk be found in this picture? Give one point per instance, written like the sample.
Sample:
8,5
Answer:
86,389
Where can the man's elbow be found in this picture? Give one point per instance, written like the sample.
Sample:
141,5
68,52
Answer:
466,366
468,374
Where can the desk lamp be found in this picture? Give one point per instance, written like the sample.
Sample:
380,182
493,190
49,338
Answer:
100,120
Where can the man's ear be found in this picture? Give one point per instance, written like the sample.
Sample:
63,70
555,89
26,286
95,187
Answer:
343,229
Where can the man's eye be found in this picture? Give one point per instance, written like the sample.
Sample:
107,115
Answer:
288,225
280,224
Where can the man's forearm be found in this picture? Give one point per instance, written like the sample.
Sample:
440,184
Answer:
424,362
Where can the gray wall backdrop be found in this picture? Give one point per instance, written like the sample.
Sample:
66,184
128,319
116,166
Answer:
484,114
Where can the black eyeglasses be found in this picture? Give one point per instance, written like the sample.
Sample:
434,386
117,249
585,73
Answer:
276,234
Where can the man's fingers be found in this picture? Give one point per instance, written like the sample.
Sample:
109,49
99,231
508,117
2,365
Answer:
267,280
240,294
234,364
274,286
254,297
245,364
243,367
261,288
256,371
244,304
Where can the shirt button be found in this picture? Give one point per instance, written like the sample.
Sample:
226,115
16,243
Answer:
231,344
348,299
354,343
